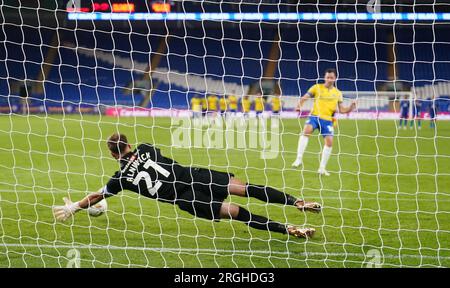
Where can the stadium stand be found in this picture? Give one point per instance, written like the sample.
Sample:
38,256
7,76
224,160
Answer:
93,68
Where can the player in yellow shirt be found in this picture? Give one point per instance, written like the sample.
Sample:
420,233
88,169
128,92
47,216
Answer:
223,105
327,100
196,107
204,106
233,104
259,104
212,103
276,104
245,105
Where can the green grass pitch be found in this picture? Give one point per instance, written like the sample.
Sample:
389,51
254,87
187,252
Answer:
388,191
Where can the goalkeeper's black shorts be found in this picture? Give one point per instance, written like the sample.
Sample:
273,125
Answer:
204,196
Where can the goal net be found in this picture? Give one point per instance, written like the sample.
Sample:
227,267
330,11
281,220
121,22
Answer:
179,75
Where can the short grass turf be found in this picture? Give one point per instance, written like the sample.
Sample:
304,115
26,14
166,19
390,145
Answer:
387,199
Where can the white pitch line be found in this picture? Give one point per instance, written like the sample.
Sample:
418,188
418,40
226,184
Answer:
219,251
431,195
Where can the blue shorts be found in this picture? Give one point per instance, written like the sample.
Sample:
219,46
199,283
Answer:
325,127
404,115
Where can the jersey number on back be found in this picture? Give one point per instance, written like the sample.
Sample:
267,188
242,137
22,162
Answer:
148,180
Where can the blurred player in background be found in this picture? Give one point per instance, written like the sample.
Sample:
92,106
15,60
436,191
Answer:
432,111
259,104
204,106
196,107
233,104
417,114
223,106
198,191
246,105
276,104
404,112
24,92
327,99
212,107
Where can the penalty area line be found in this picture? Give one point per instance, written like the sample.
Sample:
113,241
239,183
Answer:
218,251
323,197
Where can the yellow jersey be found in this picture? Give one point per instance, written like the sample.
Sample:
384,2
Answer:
246,103
212,103
259,104
196,105
325,101
204,105
233,102
223,104
276,103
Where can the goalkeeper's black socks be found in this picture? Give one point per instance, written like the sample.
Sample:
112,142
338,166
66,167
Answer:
269,194
260,222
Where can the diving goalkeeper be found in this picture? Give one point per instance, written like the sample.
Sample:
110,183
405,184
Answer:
199,191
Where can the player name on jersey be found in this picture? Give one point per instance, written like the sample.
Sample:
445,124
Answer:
133,165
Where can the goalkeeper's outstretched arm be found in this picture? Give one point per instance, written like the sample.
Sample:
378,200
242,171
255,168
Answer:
64,212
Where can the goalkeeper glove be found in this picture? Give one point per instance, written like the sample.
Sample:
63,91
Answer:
62,213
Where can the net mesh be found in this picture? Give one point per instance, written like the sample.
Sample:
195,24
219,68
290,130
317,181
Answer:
66,85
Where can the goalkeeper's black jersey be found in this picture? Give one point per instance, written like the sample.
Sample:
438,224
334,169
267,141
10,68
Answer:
147,172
